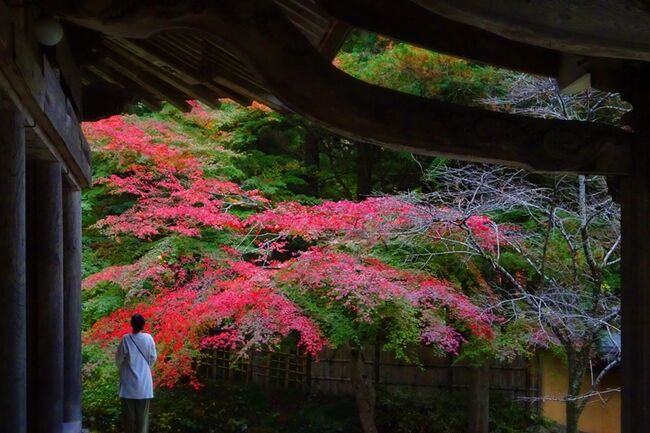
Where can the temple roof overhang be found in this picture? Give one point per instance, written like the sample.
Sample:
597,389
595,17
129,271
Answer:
279,52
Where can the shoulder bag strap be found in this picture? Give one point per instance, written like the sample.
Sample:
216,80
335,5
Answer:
138,347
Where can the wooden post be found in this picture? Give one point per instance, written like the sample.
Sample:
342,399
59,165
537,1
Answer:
13,330
45,241
635,271
72,310
479,399
635,312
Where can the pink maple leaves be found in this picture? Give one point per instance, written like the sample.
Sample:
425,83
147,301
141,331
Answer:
362,285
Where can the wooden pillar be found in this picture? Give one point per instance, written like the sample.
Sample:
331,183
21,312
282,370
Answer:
72,310
635,273
45,242
478,413
13,331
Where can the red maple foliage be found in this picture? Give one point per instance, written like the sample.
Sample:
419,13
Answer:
239,306
222,305
173,192
199,302
369,219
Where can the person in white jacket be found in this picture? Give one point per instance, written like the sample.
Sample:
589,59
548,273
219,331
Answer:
134,357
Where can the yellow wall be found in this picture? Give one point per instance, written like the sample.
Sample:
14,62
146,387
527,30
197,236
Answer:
598,417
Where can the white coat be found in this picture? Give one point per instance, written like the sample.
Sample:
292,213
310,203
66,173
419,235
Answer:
134,357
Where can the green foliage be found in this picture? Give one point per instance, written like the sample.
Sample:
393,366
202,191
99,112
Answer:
511,340
99,301
399,330
91,262
231,408
514,263
414,70
394,324
420,253
445,412
101,405
334,320
279,176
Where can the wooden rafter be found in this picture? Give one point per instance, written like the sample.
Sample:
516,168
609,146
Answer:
228,87
125,71
107,74
294,72
193,91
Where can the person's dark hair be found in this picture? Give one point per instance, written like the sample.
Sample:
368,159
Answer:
137,323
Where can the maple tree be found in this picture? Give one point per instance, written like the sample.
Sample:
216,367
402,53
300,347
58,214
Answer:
322,294
361,301
172,195
327,298
210,224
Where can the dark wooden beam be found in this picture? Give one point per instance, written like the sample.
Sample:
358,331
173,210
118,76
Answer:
635,294
69,71
128,87
103,99
411,23
295,72
333,39
597,28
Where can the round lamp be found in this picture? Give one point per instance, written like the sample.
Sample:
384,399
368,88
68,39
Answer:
49,31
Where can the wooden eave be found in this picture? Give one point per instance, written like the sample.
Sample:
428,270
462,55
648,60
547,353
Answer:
279,52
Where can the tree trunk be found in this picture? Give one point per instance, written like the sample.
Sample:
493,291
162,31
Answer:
364,169
573,407
364,391
479,399
311,159
572,416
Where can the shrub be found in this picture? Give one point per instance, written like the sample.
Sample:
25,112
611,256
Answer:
444,412
101,404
